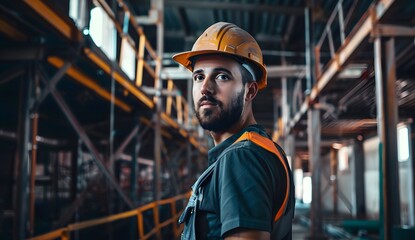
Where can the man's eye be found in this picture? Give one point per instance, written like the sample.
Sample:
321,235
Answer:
198,78
222,77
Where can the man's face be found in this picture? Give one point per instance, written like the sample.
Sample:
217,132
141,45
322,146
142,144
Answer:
218,92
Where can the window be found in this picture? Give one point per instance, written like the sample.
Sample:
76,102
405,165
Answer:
307,189
403,143
343,158
127,59
102,31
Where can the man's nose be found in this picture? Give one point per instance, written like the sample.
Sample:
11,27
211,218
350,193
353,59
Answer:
207,87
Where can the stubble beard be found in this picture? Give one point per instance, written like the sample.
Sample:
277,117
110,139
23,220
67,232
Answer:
215,121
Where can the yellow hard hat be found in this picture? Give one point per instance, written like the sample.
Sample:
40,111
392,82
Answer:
227,38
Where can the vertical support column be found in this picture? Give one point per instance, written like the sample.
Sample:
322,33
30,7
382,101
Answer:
35,118
308,48
158,81
411,179
333,178
387,115
74,174
314,140
22,158
192,169
285,107
189,153
157,139
133,181
290,149
359,179
134,167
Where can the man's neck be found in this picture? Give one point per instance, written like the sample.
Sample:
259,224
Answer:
219,137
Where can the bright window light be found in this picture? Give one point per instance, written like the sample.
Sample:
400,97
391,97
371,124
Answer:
298,181
96,26
307,190
102,31
403,144
78,12
343,158
127,60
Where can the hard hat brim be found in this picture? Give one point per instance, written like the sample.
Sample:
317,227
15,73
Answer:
183,59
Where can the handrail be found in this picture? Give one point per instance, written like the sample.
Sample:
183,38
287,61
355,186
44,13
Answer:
327,34
64,233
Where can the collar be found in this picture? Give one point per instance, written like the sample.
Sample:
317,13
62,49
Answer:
214,152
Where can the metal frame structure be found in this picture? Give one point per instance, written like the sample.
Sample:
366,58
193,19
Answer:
168,117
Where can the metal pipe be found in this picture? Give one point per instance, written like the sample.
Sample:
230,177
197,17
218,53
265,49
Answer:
387,115
33,162
22,157
158,81
35,118
308,51
314,138
341,21
134,165
359,179
333,178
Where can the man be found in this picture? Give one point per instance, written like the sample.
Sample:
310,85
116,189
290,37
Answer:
247,191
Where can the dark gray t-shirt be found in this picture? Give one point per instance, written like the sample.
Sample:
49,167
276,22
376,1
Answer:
245,189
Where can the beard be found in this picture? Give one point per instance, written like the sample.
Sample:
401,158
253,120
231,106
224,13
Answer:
210,120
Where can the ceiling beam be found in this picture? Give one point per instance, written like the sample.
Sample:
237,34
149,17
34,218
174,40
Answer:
236,6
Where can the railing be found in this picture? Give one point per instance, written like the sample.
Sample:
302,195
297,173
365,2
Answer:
65,232
327,35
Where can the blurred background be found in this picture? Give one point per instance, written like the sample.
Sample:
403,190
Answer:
98,138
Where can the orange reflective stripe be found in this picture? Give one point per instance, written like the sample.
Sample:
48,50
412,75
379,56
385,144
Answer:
268,144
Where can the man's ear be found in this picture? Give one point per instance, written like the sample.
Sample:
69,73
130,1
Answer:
251,91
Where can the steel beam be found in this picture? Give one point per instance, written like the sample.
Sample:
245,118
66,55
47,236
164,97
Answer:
50,86
387,116
388,30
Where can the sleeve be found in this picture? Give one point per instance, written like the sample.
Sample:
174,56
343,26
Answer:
246,187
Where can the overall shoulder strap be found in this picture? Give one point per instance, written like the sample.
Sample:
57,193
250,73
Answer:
269,145
204,176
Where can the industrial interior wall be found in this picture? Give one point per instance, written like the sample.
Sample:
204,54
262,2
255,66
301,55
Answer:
371,150
346,181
